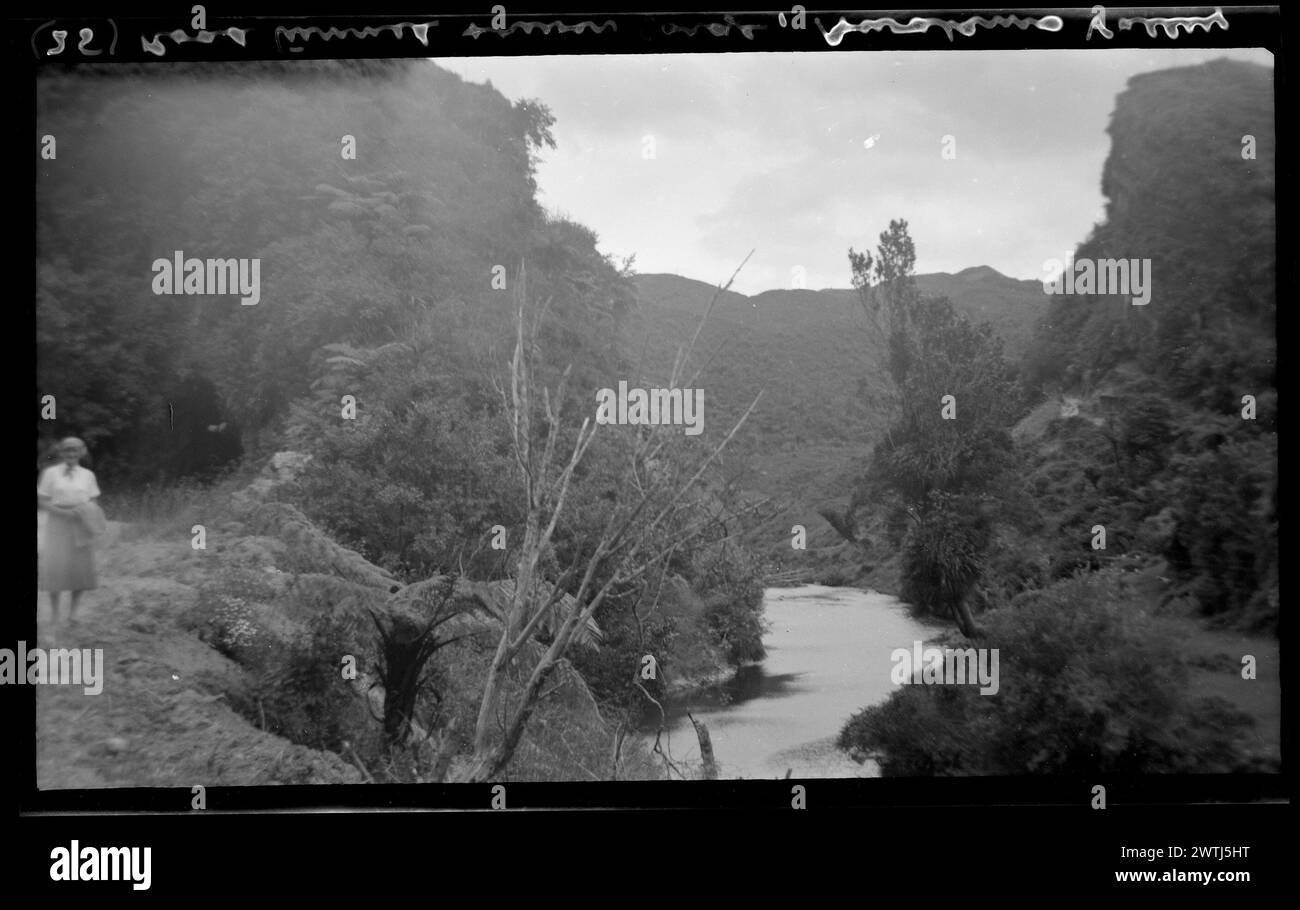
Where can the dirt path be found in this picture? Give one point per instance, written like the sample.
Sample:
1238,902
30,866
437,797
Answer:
160,720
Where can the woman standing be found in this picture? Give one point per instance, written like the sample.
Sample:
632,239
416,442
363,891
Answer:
66,491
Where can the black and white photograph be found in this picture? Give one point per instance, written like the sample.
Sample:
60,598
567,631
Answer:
659,417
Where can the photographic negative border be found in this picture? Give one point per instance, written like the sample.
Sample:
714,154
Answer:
163,37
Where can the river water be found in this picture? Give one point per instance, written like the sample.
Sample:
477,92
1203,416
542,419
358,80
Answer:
828,655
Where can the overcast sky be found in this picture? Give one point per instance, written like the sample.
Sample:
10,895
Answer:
800,156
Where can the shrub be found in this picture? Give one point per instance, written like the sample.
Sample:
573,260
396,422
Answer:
730,583
1145,432
225,614
1088,684
233,625
1043,364
942,553
613,670
1016,564
305,697
1224,537
736,627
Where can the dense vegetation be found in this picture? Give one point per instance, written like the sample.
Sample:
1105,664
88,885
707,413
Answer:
1089,684
1175,462
388,277
392,278
822,381
797,345
946,450
1155,442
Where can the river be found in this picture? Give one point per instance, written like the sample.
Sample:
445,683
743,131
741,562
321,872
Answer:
828,655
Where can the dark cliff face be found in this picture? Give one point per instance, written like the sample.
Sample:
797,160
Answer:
1176,167
1183,191
1176,138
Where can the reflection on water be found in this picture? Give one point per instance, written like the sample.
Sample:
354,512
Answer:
827,656
749,683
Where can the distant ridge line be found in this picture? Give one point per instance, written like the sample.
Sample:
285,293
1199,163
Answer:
969,272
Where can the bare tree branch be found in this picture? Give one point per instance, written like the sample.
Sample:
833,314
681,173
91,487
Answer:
626,550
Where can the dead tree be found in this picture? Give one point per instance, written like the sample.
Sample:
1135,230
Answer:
706,748
629,548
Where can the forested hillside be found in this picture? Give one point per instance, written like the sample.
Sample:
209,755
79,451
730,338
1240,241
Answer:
1196,196
1124,503
392,452
821,376
1176,441
225,161
805,348
418,316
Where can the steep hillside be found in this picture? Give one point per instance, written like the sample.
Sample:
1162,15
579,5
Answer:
808,353
387,285
211,160
806,349
1155,418
1134,523
1190,185
801,348
982,294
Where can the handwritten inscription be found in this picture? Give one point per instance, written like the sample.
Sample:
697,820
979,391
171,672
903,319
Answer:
85,36
473,31
717,29
919,24
1172,24
180,36
303,33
